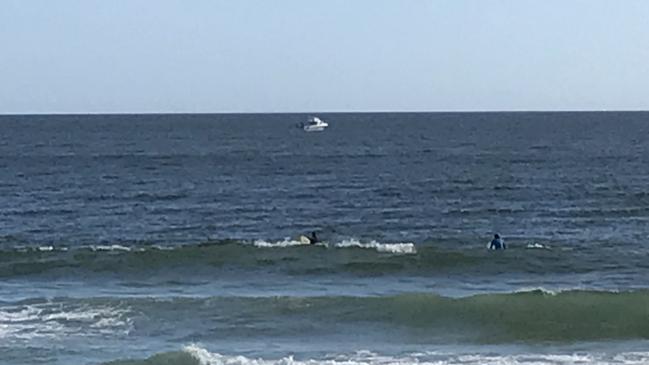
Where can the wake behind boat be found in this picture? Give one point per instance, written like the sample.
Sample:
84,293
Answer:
314,124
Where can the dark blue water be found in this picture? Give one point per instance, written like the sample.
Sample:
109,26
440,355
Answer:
176,236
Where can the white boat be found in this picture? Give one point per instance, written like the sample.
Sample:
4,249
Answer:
314,124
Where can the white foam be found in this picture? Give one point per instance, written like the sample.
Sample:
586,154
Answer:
537,246
397,248
56,319
400,248
116,248
365,357
559,290
287,242
538,289
47,248
109,248
14,315
163,248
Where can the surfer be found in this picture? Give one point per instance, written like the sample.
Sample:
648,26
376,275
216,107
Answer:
497,243
313,239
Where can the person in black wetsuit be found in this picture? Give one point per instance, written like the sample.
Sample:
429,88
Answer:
313,239
497,243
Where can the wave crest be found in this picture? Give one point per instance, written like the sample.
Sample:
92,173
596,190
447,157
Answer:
398,248
195,354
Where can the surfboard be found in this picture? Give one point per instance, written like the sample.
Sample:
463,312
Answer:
304,240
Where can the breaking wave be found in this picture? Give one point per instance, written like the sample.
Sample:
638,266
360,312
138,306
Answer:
396,248
46,318
531,316
195,354
297,258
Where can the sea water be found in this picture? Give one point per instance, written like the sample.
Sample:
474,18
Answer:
173,239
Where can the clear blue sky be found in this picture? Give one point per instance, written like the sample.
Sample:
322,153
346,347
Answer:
90,56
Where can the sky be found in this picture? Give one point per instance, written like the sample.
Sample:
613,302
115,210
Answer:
212,56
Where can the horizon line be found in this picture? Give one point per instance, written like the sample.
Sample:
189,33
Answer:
331,112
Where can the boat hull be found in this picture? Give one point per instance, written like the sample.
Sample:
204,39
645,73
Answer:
310,128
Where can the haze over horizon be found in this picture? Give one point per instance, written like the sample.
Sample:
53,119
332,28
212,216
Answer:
74,56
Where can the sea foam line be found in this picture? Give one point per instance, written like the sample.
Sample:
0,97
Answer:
396,248
53,320
364,357
286,242
401,247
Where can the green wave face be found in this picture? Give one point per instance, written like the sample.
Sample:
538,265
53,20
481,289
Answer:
527,317
169,358
492,318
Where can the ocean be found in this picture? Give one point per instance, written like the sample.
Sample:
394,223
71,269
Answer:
174,239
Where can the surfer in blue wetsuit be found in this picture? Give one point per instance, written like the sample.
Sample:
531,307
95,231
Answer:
497,243
313,239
